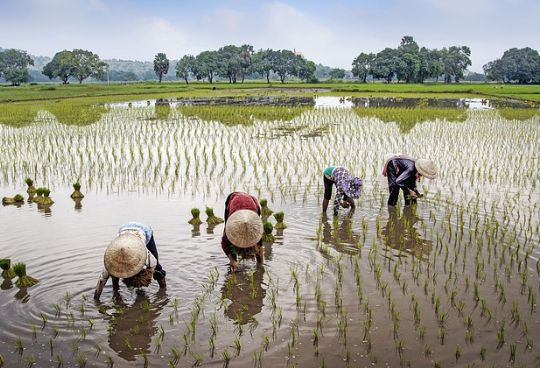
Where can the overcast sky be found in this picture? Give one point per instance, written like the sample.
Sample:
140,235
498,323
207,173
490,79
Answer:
329,32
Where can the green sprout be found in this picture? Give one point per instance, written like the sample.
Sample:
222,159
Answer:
265,211
267,236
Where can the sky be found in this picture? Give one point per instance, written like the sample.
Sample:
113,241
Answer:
329,32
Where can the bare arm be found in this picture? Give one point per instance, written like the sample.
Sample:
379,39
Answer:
103,277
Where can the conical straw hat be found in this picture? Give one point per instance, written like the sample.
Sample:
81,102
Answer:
426,167
125,256
244,228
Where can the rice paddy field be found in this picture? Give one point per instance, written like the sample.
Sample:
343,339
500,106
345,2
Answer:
450,282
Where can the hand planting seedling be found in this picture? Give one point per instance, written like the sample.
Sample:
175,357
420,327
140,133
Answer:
24,280
195,212
267,236
279,216
77,191
212,219
7,271
17,199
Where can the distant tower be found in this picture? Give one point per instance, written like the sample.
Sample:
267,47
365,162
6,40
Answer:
297,53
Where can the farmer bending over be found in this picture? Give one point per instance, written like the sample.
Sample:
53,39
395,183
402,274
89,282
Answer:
403,172
348,187
243,229
133,257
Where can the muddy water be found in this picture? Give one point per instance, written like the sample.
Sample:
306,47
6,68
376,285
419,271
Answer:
378,287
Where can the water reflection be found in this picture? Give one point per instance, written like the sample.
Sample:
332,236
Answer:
78,203
400,232
246,292
340,234
22,295
133,326
6,284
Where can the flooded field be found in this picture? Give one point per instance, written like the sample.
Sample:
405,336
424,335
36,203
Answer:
453,281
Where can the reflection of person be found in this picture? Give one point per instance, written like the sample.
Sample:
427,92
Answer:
246,292
339,234
400,232
133,257
133,326
348,187
243,228
403,172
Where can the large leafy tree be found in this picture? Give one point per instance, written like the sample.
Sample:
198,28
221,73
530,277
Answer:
246,54
455,60
284,64
519,65
184,67
161,65
361,66
63,65
305,69
87,64
229,62
386,64
206,65
263,62
14,66
408,52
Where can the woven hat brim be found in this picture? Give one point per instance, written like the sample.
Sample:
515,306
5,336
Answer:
426,168
244,228
125,256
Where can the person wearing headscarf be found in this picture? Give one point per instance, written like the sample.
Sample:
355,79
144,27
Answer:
243,229
403,172
348,188
133,257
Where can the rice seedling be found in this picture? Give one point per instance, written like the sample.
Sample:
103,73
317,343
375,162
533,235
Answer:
195,212
1,360
513,349
267,236
23,279
212,219
279,216
19,346
17,199
7,270
265,211
77,191
226,357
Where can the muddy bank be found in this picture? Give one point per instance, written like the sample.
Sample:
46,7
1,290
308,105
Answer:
241,101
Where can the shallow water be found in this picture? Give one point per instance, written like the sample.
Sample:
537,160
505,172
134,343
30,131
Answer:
473,230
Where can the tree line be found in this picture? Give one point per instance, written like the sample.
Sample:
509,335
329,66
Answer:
407,63
411,63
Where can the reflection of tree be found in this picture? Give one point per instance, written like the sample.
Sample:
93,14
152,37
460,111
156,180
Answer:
163,109
246,293
400,232
340,235
132,327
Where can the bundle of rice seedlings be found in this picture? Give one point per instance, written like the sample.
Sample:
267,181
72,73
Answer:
7,271
24,280
265,211
279,218
267,236
47,201
31,189
195,212
143,278
77,191
39,195
212,219
13,200
246,253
